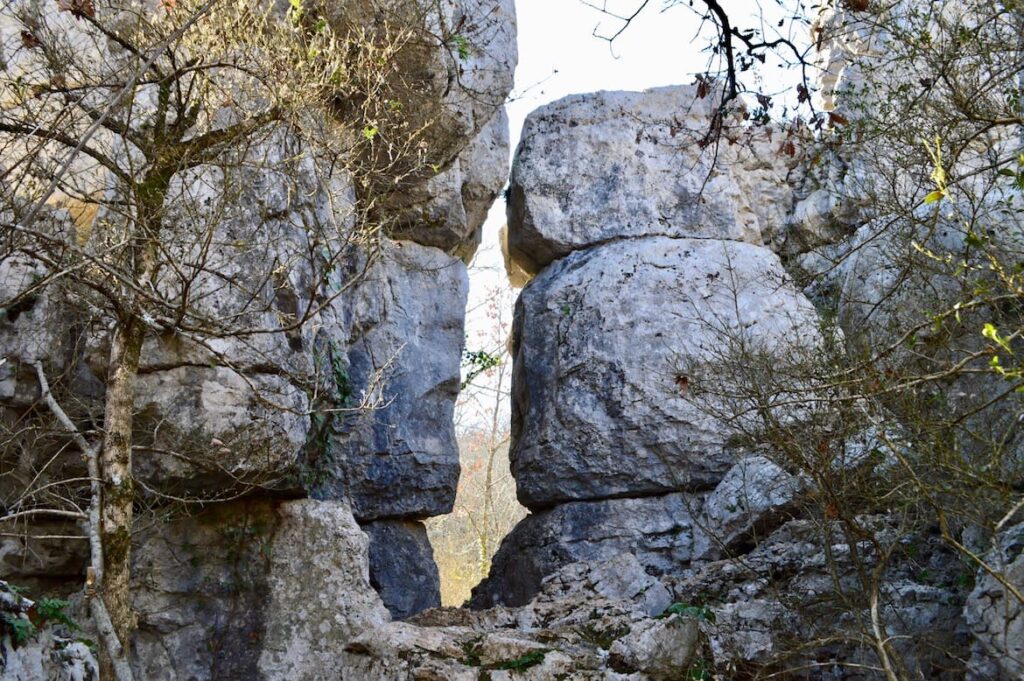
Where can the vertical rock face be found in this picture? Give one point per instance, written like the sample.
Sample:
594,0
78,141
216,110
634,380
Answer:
256,589
353,409
319,590
995,613
397,370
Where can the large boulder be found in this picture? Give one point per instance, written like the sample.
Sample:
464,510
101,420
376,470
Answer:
604,343
252,589
449,209
663,533
754,495
610,165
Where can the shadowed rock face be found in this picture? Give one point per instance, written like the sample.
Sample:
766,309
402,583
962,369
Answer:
402,567
995,615
661,532
401,359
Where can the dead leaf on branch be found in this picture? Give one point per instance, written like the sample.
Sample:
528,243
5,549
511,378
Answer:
29,40
78,8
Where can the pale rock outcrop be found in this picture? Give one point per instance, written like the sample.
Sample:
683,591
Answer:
252,589
605,342
45,649
995,614
456,69
319,591
402,567
592,620
632,164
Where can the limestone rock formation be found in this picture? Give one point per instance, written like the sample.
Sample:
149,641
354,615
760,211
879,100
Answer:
638,289
605,342
592,620
778,592
660,531
753,494
352,408
454,203
397,371
633,164
995,614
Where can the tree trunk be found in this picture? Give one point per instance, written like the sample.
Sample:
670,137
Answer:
118,492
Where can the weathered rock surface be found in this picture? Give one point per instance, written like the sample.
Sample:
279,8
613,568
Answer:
631,164
661,532
252,590
753,495
28,556
592,621
604,342
789,588
355,407
398,374
453,73
995,614
402,567
454,203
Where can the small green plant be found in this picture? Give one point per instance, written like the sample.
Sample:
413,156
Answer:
21,629
52,610
471,653
698,671
477,362
461,46
530,659
700,612
603,638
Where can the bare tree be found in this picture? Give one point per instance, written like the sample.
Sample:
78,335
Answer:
191,177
